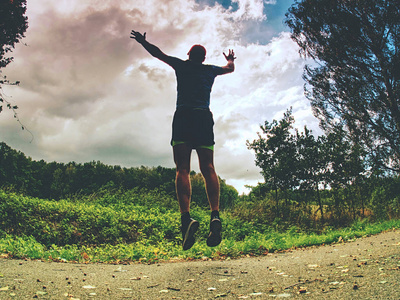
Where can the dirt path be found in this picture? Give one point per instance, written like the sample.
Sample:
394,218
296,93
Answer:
367,268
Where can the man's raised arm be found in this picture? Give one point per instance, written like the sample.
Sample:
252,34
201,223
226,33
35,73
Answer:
152,49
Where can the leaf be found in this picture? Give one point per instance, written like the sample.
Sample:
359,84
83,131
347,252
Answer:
302,290
280,273
6,288
41,293
119,269
221,295
313,266
68,295
284,295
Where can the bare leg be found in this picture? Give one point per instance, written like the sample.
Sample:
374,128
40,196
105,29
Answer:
206,161
189,226
182,154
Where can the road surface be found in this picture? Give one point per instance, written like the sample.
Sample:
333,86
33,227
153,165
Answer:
366,268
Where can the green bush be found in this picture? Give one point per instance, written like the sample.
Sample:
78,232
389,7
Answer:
135,226
64,222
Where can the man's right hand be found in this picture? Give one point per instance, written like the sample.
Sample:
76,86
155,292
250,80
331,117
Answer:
138,36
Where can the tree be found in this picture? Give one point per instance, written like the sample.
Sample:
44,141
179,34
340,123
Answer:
346,168
275,151
13,24
312,165
354,81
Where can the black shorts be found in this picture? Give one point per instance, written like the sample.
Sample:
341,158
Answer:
193,126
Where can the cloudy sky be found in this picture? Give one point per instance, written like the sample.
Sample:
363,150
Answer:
89,92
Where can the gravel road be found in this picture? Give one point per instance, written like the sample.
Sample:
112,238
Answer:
366,268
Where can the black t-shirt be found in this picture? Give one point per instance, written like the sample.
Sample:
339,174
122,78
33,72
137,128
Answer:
194,82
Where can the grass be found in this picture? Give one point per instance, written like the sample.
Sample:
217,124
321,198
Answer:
256,244
111,231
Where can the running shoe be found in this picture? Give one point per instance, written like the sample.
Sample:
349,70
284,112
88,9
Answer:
214,238
188,231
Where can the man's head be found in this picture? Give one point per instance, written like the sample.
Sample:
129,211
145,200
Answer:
197,53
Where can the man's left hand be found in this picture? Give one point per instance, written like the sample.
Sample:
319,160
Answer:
138,36
230,56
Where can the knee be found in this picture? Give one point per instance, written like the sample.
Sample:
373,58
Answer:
182,172
207,170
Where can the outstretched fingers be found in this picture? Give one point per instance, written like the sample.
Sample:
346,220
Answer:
138,36
230,56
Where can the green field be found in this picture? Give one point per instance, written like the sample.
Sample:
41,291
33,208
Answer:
113,228
94,212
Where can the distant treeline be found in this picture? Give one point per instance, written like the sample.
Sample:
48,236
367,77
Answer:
60,180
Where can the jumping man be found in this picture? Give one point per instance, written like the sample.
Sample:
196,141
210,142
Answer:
192,128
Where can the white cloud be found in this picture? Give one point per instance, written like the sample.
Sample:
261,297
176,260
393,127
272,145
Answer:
250,9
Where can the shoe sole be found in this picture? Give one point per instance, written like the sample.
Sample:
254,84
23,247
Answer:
214,238
189,240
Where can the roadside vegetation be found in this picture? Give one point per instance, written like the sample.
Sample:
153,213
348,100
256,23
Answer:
95,230
135,216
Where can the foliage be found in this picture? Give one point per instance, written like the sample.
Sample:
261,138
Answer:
58,180
385,198
354,80
109,217
115,224
106,233
276,154
310,180
13,24
66,222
